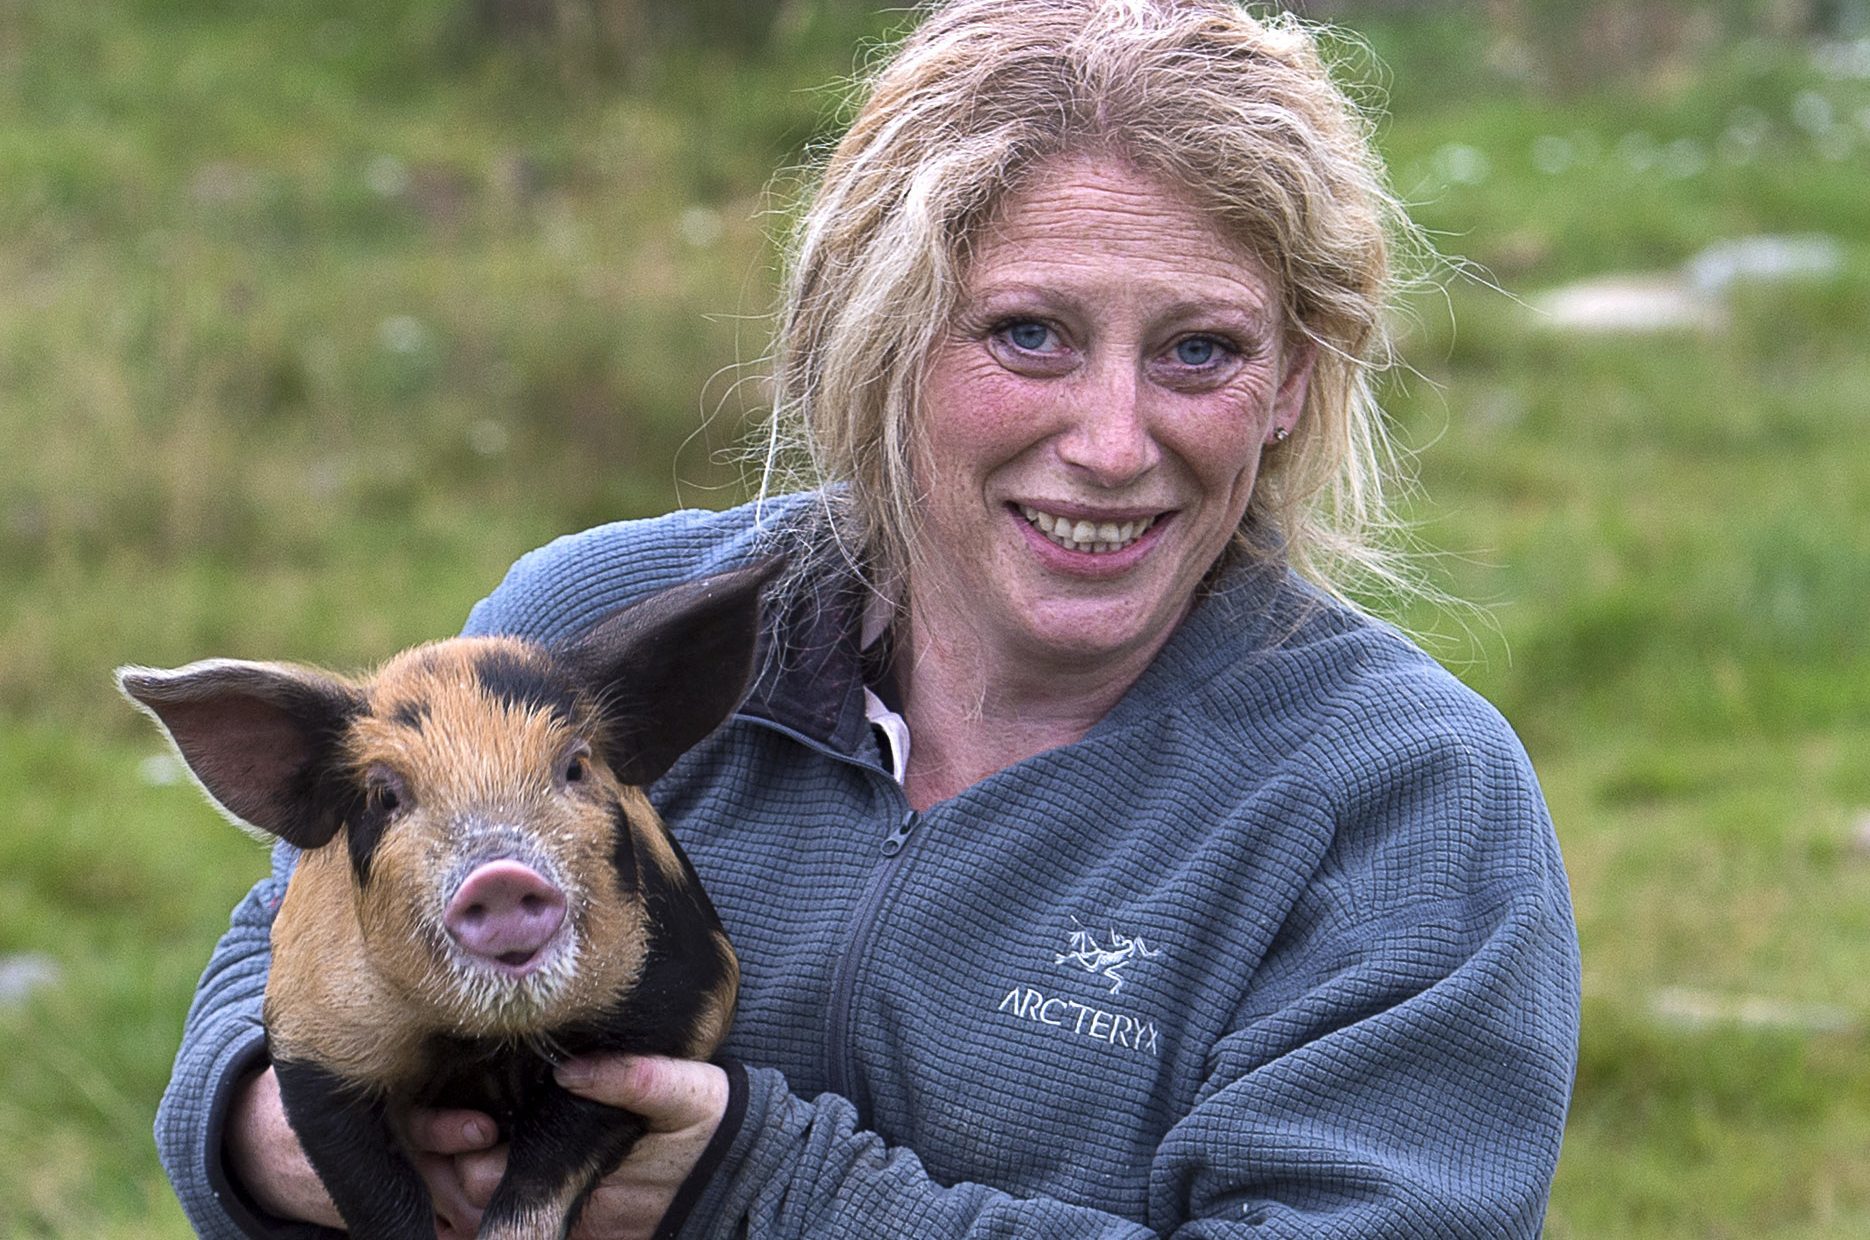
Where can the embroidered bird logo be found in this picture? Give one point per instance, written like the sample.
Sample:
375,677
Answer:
1093,957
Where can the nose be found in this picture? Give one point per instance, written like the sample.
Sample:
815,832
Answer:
505,912
1108,436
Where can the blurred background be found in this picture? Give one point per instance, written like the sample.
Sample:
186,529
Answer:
314,316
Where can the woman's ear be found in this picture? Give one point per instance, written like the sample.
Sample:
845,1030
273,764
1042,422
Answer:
1295,383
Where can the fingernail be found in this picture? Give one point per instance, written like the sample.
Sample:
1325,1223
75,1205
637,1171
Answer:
573,1073
476,1131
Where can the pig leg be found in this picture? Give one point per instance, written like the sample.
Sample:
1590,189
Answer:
561,1146
347,1136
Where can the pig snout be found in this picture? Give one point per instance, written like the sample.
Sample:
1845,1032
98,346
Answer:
505,912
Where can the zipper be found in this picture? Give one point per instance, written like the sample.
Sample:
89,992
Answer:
840,1046
893,843
840,1052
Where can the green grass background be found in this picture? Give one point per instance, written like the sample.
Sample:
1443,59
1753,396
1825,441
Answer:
313,317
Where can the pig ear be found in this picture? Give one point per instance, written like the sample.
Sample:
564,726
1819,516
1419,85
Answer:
262,738
669,669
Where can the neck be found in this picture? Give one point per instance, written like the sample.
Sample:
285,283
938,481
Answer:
973,710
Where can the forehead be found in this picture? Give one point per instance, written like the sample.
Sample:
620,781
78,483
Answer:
491,685
1095,225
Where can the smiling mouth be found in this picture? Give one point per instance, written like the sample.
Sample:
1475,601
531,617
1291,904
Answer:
1096,537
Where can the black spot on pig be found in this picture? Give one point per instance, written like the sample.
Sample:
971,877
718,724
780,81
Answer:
368,819
351,1130
627,879
411,714
526,684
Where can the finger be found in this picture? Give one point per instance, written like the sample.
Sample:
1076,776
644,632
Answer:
455,1214
481,1174
450,1132
669,1094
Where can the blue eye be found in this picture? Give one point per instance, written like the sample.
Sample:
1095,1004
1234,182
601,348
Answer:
1029,335
1196,350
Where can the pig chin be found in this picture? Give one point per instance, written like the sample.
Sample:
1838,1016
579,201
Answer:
482,998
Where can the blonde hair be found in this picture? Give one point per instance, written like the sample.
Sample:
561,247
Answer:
1238,111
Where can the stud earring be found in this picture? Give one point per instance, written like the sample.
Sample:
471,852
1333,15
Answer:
1281,434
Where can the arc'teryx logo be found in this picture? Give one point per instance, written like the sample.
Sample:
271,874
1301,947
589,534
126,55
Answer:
1105,960
1091,956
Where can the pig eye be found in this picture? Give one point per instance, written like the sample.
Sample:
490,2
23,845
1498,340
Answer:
386,793
575,765
386,797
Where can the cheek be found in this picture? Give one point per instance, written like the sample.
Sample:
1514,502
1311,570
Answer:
974,414
1224,452
1222,432
1220,437
400,907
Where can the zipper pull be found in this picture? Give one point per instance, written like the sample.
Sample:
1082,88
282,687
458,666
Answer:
900,836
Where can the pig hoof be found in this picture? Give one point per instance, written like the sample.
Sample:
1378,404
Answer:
536,1224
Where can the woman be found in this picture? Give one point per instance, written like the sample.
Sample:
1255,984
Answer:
1093,873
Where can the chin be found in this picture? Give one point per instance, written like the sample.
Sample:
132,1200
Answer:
1071,636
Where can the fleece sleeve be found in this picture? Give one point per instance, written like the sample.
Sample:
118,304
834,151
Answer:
1415,1086
222,1042
1400,1065
798,1168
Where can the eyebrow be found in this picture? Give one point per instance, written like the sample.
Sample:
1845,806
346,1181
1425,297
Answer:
1259,315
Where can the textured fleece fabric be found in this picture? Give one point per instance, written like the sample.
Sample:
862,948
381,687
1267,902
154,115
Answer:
1282,947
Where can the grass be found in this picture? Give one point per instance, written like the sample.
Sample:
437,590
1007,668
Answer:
317,319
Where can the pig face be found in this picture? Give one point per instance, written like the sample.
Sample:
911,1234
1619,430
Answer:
494,855
479,850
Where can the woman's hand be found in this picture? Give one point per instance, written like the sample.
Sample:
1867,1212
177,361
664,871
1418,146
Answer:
456,1155
266,1158
682,1101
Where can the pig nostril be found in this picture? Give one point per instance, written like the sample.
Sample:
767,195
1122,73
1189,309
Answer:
505,912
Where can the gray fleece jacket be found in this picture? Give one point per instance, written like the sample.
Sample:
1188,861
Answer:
1282,947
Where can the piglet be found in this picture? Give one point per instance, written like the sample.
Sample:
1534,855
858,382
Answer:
484,888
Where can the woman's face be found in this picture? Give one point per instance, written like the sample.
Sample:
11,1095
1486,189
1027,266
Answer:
1094,419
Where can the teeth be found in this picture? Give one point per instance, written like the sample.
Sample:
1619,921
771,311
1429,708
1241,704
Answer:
1099,539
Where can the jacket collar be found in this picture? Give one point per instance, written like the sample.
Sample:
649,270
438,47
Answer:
811,677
